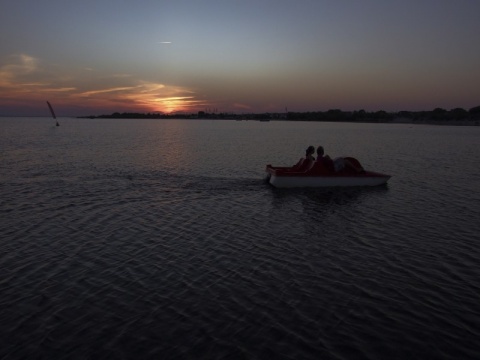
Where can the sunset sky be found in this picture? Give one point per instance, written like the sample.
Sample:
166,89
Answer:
95,57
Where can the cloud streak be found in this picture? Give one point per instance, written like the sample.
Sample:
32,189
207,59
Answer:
23,79
19,66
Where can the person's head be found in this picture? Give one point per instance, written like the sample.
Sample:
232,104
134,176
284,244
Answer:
320,151
310,151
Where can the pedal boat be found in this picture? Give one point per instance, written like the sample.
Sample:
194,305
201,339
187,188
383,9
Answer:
320,176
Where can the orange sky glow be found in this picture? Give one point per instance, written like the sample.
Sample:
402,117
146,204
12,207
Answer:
25,80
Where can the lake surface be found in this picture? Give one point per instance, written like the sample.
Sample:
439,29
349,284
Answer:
123,239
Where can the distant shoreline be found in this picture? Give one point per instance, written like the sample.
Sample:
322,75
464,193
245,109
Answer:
438,116
397,120
394,120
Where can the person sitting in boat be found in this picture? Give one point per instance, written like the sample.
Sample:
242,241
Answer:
324,160
305,163
309,153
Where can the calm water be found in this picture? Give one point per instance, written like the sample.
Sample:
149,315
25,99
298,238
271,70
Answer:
160,239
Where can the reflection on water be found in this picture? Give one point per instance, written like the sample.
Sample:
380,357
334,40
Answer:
124,239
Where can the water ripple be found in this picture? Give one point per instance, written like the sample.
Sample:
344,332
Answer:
108,259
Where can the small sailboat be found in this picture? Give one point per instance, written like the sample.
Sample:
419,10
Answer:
53,113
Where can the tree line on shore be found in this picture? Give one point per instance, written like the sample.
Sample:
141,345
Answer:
437,114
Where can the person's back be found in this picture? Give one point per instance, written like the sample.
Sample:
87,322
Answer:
324,160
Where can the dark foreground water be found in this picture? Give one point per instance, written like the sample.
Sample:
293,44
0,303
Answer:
142,239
